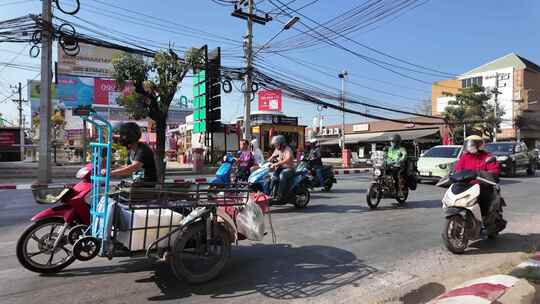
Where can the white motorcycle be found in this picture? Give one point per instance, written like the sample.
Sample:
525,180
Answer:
464,220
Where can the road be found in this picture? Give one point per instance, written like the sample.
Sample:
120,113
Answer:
334,251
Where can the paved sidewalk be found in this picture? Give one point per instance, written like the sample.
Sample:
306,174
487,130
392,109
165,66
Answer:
517,287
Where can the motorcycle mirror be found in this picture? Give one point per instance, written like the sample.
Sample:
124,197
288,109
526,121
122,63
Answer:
491,159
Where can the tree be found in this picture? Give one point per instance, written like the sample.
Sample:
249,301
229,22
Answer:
424,107
155,83
471,110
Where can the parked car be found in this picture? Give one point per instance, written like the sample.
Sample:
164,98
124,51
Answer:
436,162
513,156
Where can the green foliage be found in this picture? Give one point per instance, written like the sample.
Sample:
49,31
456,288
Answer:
155,83
471,109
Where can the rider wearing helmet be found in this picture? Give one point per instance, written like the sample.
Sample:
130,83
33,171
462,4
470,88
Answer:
395,158
475,159
315,159
283,165
141,164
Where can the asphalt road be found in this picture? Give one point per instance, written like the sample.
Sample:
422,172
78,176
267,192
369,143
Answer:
334,251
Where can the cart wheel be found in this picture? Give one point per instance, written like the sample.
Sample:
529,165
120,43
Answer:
194,261
86,248
76,233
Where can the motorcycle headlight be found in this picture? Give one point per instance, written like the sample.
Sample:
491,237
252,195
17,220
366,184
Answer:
377,172
465,201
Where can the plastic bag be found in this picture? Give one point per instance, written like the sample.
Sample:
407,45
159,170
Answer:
250,221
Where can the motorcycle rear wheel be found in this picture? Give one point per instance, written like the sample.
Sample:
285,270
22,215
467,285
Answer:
373,196
455,241
328,186
192,261
302,197
44,243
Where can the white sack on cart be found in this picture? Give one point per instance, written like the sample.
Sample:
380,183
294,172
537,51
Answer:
250,221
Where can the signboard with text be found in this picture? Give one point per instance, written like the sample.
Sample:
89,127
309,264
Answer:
270,100
93,61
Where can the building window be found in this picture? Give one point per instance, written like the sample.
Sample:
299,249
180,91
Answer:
469,82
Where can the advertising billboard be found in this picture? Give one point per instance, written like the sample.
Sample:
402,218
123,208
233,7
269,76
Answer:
75,91
106,92
92,61
270,100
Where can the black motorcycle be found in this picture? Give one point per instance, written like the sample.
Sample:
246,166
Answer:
384,185
312,179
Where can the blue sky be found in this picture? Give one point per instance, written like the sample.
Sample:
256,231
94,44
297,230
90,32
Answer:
451,36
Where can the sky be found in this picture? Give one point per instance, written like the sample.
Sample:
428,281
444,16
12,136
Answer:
453,36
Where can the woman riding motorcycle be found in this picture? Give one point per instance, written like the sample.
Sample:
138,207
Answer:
475,159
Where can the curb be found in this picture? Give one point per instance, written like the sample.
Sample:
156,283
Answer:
32,186
501,289
529,269
351,171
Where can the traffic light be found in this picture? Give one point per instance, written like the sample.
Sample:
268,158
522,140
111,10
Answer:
207,93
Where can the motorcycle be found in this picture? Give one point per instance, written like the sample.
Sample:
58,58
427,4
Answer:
224,172
56,229
313,181
262,179
383,184
229,174
464,220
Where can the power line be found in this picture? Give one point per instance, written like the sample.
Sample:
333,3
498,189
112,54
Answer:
374,61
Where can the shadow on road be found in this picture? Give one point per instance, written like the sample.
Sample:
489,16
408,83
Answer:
323,208
506,242
276,271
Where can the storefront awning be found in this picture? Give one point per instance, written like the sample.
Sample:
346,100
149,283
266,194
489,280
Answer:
381,136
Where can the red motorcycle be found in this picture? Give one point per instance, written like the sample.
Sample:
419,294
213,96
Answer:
46,245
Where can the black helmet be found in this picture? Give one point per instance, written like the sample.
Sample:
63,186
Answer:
130,133
396,139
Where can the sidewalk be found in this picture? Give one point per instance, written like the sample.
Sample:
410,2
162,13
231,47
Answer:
520,286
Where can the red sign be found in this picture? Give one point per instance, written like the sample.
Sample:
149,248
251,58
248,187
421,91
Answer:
270,100
8,138
106,92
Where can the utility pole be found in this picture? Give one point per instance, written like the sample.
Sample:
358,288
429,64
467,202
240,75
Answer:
248,54
342,76
248,51
21,123
44,169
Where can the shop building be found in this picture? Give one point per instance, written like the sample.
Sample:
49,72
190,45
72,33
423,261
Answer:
518,82
362,138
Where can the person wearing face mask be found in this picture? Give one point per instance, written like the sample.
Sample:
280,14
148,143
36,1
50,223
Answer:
475,159
395,159
141,164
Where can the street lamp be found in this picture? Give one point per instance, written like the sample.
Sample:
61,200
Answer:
286,27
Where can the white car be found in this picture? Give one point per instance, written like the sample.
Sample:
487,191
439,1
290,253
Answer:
436,162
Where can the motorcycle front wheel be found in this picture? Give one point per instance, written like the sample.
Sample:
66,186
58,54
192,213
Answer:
401,198
35,249
454,234
197,260
374,196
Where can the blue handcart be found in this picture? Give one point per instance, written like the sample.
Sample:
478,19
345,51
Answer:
184,224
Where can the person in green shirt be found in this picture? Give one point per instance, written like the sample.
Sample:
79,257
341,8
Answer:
395,159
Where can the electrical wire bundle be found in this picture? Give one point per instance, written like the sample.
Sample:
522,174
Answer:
18,29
